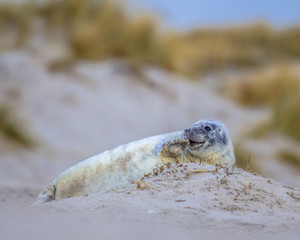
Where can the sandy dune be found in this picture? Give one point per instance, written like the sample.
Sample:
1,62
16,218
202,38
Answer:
98,106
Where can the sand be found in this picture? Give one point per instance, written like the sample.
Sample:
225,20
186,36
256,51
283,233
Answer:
99,106
174,201
181,195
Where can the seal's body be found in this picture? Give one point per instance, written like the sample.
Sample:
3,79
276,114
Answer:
206,141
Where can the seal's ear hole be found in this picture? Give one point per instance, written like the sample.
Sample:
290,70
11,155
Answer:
219,129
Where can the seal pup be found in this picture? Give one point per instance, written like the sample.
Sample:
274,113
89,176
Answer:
206,141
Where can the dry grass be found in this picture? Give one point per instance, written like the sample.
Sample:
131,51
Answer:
254,45
289,157
277,87
11,129
287,114
101,29
244,159
92,29
265,87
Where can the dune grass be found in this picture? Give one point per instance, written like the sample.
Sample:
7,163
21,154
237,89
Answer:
287,114
102,29
265,87
202,50
289,157
244,159
277,87
92,29
12,130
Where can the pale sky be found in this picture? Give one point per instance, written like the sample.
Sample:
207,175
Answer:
188,13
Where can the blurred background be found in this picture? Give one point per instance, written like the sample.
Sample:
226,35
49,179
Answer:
79,77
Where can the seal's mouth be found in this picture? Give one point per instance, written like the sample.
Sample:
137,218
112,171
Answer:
196,144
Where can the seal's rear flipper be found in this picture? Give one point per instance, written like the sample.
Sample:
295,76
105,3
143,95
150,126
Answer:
45,196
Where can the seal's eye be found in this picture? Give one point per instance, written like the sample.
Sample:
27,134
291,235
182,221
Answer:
207,128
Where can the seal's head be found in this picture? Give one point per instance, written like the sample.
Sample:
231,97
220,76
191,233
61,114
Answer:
209,139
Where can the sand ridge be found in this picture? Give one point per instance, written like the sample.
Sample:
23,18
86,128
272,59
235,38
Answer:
181,195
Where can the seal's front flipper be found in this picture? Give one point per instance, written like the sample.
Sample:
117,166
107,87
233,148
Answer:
46,196
174,148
